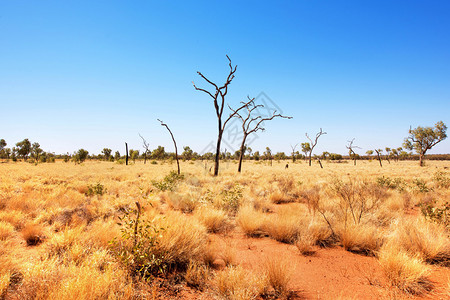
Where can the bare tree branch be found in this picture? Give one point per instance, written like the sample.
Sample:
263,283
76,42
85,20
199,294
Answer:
175,144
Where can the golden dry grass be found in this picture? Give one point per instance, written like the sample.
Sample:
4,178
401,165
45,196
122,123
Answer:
55,236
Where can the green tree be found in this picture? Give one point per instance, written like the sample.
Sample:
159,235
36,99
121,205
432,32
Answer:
2,148
268,155
107,153
117,156
80,156
36,151
422,139
187,153
23,149
306,148
2,144
256,155
7,152
159,153
134,154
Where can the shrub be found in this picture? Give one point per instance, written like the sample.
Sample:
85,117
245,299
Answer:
169,182
421,185
394,184
95,189
137,246
440,215
231,198
441,179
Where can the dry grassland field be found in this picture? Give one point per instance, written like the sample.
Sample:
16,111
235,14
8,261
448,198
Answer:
342,232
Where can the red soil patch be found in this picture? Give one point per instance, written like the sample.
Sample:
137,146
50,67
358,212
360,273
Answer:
331,273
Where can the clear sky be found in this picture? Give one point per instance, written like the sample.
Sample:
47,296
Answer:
94,74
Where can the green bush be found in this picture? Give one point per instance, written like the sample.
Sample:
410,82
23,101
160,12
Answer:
137,246
437,214
169,182
394,184
96,189
441,179
231,198
421,185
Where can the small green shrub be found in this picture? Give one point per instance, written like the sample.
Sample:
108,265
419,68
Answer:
169,182
394,184
441,179
436,214
154,162
421,185
231,198
96,189
136,248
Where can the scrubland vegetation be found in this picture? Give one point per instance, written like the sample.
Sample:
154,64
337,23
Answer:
105,230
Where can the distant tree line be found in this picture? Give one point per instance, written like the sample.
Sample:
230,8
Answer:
27,151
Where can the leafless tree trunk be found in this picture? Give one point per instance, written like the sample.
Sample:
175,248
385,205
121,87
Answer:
126,155
379,157
251,124
145,145
320,163
313,144
351,152
218,96
174,143
293,152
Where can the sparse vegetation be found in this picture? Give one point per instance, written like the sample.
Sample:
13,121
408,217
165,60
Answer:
215,236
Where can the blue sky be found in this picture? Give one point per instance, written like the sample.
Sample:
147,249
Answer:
94,74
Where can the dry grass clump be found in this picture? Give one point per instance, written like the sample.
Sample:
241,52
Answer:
278,273
403,271
428,240
197,275
363,238
6,230
235,283
285,225
215,220
312,198
305,244
182,240
33,234
183,203
279,197
228,254
14,217
51,279
251,221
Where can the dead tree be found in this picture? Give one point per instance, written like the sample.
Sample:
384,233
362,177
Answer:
174,143
145,145
126,155
218,96
351,152
378,151
313,144
293,152
251,124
